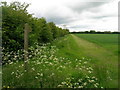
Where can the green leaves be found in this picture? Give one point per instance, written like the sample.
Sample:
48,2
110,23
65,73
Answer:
14,18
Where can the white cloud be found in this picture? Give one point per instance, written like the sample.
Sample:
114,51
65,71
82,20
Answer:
77,14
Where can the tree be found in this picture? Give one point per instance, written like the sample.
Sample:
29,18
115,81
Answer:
14,17
54,30
92,31
46,34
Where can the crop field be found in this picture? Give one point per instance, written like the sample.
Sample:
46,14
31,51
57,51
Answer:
72,61
108,41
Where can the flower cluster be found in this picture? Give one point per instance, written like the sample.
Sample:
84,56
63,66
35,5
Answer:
45,69
86,82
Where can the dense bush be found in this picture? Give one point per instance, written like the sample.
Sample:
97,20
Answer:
14,18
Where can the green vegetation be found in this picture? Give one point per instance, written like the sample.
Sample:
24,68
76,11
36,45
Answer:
55,59
96,32
14,17
67,62
46,70
104,62
108,41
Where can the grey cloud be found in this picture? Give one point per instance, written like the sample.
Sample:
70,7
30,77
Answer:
79,7
104,16
59,19
83,6
79,26
100,17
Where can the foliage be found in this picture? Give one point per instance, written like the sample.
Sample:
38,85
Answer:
45,70
70,69
103,61
96,32
14,18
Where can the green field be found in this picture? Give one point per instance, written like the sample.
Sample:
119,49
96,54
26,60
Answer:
101,48
78,61
108,41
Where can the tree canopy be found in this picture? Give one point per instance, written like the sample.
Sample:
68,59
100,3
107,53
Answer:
14,16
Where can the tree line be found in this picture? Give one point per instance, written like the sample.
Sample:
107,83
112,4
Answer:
95,32
14,17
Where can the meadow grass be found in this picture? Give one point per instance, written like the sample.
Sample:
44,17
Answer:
46,70
106,54
104,61
68,62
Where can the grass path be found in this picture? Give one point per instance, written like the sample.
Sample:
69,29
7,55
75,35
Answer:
96,51
103,59
107,41
104,62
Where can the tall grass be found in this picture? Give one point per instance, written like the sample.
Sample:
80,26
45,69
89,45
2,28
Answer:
46,70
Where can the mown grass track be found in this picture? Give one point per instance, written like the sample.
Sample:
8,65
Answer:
104,61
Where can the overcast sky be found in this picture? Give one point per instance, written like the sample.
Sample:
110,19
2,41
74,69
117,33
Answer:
77,15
